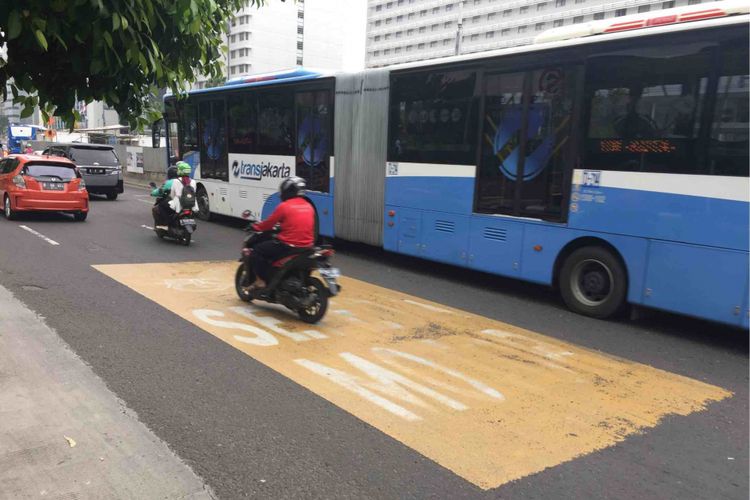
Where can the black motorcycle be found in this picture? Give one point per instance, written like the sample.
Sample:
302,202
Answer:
180,228
290,283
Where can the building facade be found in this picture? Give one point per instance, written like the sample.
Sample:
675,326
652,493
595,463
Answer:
283,35
400,31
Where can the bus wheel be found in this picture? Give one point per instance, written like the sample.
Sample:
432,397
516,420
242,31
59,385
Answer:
593,282
204,209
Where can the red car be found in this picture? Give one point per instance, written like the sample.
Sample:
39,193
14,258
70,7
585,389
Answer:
42,183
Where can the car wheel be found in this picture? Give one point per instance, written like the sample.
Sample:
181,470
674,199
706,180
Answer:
204,208
80,216
10,214
593,282
111,196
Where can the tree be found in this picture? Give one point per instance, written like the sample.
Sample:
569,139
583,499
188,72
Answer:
116,51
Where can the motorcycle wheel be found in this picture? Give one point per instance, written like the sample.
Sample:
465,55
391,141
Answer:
239,278
315,311
186,240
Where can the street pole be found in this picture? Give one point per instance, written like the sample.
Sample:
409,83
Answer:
459,26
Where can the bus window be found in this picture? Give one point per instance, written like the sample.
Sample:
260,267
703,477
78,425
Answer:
503,112
728,137
550,114
242,123
433,118
645,107
314,138
188,131
275,123
213,151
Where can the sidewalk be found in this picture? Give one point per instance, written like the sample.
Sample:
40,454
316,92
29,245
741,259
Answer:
63,434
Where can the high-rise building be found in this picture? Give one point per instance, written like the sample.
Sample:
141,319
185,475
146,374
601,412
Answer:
283,35
400,31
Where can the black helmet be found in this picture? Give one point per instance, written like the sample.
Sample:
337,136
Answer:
172,172
291,187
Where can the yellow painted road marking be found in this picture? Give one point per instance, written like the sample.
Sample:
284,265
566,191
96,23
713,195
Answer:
485,399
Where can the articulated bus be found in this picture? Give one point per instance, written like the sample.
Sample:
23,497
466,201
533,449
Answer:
609,160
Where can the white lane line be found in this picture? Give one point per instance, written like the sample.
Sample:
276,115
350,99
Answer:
147,227
37,233
428,307
144,201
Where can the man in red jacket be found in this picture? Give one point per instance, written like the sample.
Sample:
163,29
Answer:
296,216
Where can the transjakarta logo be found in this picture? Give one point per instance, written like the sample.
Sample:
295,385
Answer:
257,171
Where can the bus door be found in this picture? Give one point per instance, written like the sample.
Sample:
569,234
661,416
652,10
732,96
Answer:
214,164
525,161
314,146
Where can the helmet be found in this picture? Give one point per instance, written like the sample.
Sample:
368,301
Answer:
183,169
291,187
172,172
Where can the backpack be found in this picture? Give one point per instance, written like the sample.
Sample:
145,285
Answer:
187,198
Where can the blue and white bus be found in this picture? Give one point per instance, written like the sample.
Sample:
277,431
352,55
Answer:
19,135
609,160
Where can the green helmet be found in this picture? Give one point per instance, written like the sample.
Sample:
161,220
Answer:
183,169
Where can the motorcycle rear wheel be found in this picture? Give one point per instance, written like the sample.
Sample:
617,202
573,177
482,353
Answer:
315,311
239,277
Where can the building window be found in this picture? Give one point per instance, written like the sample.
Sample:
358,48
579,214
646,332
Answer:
378,8
559,3
300,30
377,23
475,19
434,27
399,34
410,32
399,19
521,29
578,20
299,61
667,5
409,48
397,50
694,2
299,45
422,13
447,41
523,10
387,36
557,23
505,32
410,16
420,46
580,1
541,6
538,26
490,16
447,25
621,12
422,29
644,8
388,21
376,53
489,34
598,15
433,44
507,12
436,10
448,7
389,5
387,52
377,38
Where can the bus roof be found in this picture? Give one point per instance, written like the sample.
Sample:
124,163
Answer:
713,21
282,76
642,20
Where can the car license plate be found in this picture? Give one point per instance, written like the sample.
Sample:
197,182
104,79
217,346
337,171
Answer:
53,186
185,222
96,170
330,272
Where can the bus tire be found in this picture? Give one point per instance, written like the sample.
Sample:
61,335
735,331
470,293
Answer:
204,207
593,282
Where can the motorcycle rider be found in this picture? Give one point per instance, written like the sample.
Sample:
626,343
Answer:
161,208
296,216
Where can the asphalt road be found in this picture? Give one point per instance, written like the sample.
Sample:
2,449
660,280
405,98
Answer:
249,431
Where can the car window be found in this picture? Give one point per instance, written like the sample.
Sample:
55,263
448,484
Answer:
51,170
89,156
8,165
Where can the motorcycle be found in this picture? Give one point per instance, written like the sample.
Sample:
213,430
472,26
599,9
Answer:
290,282
180,228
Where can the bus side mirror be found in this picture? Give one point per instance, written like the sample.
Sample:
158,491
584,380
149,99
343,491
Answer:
157,129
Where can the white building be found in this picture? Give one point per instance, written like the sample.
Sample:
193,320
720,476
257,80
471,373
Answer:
282,35
411,30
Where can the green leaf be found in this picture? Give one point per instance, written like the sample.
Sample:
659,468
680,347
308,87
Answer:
14,24
96,66
107,38
124,22
27,111
41,40
115,21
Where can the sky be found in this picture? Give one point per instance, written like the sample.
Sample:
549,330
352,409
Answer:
354,32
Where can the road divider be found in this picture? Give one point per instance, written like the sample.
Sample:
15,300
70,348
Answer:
485,399
39,235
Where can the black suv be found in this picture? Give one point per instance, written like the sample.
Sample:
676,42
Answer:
98,164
